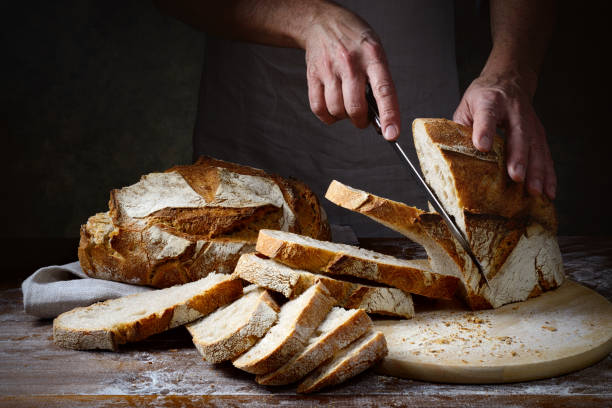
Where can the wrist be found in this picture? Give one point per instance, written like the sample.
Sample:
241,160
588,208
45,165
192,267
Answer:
311,14
511,70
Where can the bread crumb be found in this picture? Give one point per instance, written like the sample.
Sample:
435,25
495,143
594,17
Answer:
550,328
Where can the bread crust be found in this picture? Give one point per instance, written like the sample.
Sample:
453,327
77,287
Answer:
481,180
174,244
262,316
320,351
293,282
295,339
371,348
408,279
137,329
496,241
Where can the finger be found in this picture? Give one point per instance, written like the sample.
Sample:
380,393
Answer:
535,168
550,183
334,99
355,105
517,147
463,115
550,177
485,125
316,98
383,90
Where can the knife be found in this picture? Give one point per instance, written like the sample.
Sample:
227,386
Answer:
431,196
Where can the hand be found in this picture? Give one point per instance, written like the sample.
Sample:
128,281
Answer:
342,53
492,101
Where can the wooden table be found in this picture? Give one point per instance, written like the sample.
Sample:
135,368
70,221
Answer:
166,370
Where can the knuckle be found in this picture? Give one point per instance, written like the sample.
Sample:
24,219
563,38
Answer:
355,109
318,108
374,49
388,113
384,89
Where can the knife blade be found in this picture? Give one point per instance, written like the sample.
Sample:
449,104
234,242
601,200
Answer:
429,193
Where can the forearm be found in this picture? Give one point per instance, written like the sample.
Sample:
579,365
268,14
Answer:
520,31
279,23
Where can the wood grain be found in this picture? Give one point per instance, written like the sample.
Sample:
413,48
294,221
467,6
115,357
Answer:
560,331
166,370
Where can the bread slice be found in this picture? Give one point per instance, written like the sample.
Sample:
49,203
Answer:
107,324
348,362
297,320
414,276
234,328
293,282
340,328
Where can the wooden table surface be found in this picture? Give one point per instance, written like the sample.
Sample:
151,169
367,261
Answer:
166,370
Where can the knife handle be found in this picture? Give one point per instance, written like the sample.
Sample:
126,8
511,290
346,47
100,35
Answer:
373,109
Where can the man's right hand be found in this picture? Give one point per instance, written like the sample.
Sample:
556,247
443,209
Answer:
342,50
342,53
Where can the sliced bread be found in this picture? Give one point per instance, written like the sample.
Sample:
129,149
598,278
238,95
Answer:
107,324
357,357
340,328
293,282
297,251
520,259
297,320
234,328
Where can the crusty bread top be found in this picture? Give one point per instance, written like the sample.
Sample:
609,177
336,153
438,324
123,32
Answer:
465,179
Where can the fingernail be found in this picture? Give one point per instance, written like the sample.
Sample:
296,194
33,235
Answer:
391,132
484,141
519,170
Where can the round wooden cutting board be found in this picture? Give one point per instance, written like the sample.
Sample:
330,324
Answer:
558,332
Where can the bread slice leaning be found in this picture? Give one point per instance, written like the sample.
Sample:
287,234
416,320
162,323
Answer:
293,282
234,328
357,357
340,328
107,324
297,320
297,251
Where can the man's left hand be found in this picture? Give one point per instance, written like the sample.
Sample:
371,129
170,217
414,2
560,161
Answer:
499,101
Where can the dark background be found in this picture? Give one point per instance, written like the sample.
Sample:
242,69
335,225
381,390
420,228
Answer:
95,94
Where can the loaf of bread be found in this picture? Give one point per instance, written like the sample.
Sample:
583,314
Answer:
512,234
179,225
293,282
